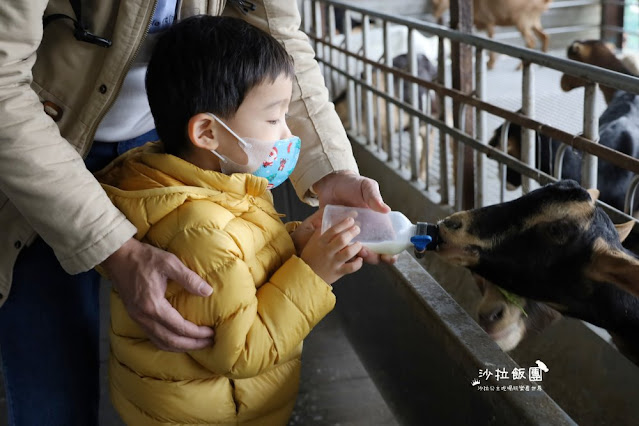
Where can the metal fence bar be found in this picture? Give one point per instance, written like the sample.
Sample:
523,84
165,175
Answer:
577,141
630,196
591,131
459,167
350,66
443,145
368,76
414,121
578,69
503,144
390,89
480,127
528,148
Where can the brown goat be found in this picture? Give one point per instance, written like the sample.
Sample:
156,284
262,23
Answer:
525,15
553,245
598,53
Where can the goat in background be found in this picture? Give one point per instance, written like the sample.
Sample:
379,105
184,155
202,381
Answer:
618,129
523,14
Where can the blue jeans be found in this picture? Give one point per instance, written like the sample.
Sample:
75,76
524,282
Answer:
49,330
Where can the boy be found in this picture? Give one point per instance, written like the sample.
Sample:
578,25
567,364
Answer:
219,91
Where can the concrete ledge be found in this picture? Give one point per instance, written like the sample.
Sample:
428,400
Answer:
423,350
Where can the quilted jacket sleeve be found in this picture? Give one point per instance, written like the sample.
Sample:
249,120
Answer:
254,329
325,147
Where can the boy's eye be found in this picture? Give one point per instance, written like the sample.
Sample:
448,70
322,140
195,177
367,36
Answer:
273,122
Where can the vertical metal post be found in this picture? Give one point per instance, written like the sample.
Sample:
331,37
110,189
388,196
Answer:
307,8
459,168
480,127
390,89
378,109
528,150
503,143
414,121
351,67
332,75
443,145
319,46
400,133
461,19
368,75
427,142
591,131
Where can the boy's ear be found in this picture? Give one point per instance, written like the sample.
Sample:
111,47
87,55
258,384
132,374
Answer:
201,131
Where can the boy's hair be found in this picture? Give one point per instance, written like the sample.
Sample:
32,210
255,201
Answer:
208,64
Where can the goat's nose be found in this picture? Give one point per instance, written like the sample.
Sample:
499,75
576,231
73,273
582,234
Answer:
452,223
491,316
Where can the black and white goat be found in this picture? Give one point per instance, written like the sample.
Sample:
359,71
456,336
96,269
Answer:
553,245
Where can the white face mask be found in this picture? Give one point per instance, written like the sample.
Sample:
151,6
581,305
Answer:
256,152
274,161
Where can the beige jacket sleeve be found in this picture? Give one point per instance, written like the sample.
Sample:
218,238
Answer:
40,172
325,147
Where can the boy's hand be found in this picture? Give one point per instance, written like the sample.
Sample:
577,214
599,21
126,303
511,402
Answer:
330,255
139,272
306,229
350,189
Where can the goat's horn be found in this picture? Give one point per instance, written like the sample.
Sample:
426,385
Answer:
594,193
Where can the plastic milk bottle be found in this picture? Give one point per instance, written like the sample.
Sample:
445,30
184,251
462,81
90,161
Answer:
384,233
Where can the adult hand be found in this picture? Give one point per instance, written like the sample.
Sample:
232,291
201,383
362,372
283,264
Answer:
350,189
139,273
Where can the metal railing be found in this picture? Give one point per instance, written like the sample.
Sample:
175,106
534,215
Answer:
380,115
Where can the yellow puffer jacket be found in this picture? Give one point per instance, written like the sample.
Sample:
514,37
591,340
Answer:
265,299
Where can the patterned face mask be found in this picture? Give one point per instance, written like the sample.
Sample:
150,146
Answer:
274,161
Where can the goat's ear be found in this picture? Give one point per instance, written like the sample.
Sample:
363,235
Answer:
594,194
615,267
624,229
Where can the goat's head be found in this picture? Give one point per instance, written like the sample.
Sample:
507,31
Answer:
513,148
552,245
507,318
426,70
593,52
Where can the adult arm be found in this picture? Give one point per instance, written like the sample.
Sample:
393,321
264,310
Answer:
45,178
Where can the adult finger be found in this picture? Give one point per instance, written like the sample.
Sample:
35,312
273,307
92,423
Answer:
167,340
388,258
372,197
192,282
350,267
168,317
368,256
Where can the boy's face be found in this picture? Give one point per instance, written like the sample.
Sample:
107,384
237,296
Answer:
261,116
